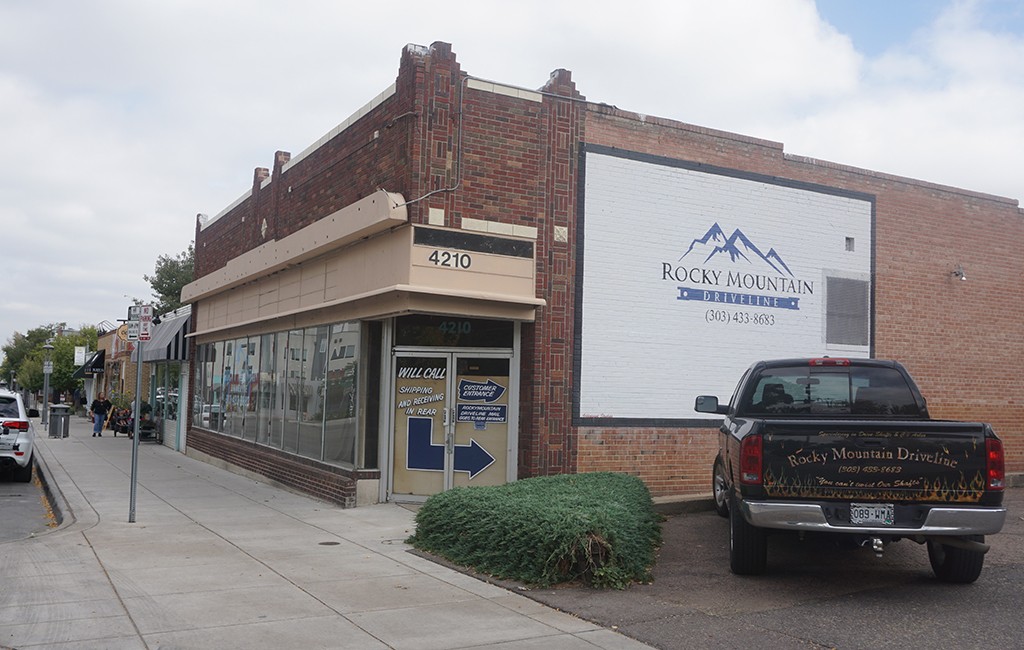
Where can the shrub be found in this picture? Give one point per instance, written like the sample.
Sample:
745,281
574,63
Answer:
600,528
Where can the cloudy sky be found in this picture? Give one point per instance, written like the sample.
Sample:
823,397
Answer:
121,120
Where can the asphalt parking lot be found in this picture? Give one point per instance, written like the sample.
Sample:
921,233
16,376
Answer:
816,594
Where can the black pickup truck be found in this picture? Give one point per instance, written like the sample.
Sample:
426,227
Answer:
846,446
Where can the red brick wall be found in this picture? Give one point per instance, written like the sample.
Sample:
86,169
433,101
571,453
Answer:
232,234
519,168
669,461
326,482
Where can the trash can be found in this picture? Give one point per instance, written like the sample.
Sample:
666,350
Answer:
60,420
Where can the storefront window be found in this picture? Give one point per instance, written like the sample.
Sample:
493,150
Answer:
310,410
210,396
297,391
235,386
266,401
450,331
163,396
197,391
252,374
340,417
280,390
293,406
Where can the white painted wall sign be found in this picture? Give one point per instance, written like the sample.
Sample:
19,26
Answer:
689,276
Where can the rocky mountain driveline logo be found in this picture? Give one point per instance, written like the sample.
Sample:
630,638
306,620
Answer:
711,258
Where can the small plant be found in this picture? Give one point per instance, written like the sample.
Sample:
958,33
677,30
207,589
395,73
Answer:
600,528
122,400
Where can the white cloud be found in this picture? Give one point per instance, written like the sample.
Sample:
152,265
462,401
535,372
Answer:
121,120
942,107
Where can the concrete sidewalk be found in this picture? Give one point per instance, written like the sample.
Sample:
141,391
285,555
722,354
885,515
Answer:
217,560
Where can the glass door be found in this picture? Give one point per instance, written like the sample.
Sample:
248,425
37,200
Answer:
451,422
481,421
421,424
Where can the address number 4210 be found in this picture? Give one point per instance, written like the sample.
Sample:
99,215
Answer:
451,259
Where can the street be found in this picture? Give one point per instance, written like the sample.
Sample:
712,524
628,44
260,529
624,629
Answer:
22,510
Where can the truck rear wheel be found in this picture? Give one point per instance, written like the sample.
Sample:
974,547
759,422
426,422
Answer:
957,565
720,488
748,545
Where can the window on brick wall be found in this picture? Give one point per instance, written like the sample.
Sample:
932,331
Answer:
847,311
295,390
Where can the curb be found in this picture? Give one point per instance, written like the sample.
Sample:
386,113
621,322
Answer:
55,498
684,505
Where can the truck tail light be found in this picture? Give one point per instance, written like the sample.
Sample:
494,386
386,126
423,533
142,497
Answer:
751,455
995,464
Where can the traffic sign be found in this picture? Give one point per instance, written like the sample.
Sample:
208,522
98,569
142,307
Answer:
133,330
145,322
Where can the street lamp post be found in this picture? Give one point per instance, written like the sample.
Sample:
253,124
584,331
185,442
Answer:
47,369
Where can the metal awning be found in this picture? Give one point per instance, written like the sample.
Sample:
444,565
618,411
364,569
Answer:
168,342
92,366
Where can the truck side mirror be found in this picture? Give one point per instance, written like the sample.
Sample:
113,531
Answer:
709,404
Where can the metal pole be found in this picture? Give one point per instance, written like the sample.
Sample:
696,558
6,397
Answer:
135,436
46,398
47,369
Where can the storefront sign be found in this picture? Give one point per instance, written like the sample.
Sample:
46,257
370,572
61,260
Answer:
690,274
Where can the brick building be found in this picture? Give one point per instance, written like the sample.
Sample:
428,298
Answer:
466,282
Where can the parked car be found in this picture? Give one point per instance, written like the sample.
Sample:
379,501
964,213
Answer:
17,434
846,447
210,415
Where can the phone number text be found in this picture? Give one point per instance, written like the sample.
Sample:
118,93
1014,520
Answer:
726,317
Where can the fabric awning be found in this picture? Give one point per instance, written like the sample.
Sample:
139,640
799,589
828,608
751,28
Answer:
168,342
92,366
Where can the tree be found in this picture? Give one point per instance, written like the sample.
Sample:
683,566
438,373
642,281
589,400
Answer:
20,346
63,357
30,372
25,356
169,278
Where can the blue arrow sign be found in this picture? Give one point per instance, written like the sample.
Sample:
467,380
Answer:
477,391
472,458
423,454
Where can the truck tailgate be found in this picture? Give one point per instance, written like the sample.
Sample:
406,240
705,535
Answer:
922,461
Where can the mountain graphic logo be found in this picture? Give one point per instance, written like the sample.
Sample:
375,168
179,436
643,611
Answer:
737,246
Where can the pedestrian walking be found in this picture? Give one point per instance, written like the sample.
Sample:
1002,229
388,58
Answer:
99,410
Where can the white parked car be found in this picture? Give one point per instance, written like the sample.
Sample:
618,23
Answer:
16,436
210,411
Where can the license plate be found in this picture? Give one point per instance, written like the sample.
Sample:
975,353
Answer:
871,514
